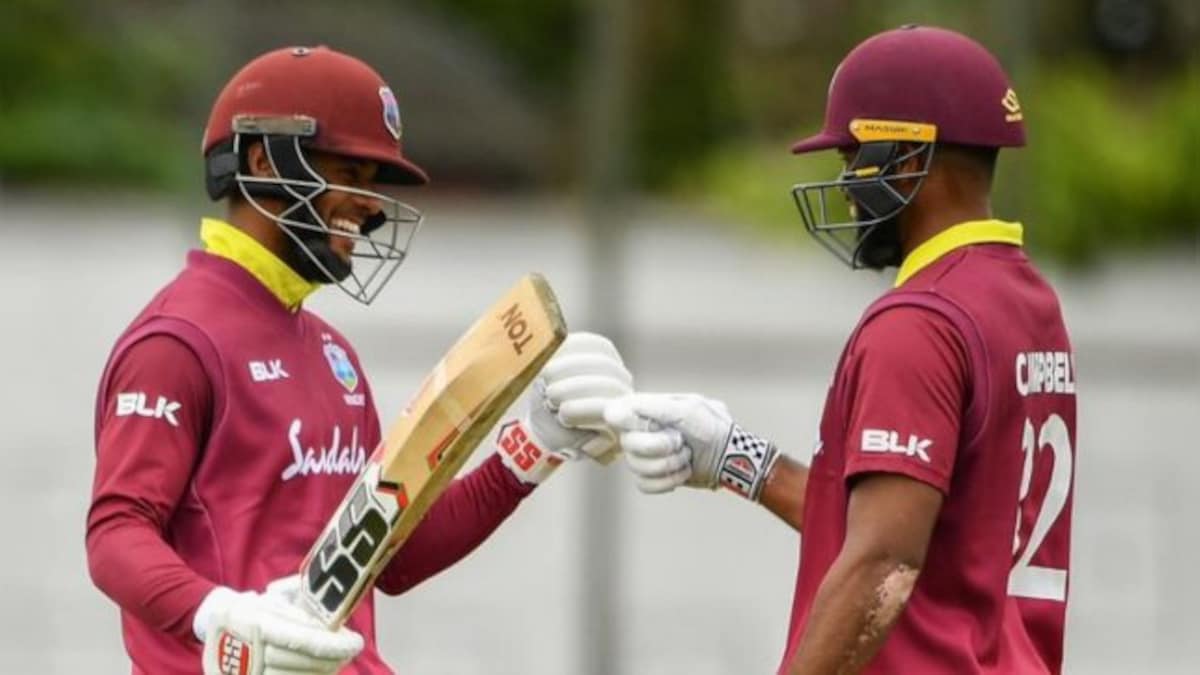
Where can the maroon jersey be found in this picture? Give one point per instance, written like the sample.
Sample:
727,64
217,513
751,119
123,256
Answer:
228,429
963,378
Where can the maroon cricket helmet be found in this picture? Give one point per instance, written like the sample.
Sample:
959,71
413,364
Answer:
925,75
337,103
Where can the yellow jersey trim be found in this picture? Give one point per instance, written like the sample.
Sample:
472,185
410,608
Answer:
226,241
963,234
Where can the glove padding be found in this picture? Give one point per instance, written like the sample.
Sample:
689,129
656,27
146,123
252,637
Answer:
268,633
561,415
686,439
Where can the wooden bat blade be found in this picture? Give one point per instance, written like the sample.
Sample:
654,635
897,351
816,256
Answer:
458,403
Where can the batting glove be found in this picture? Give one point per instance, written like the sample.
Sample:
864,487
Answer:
561,415
252,633
686,439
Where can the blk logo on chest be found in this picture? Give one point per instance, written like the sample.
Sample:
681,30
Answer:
267,371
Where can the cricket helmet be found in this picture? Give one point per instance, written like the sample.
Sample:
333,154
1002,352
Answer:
302,99
893,98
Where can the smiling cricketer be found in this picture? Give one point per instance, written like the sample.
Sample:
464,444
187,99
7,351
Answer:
230,421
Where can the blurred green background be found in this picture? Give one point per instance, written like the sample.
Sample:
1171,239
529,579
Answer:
113,96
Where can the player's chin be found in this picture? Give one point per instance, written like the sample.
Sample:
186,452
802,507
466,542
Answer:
343,248
338,262
342,269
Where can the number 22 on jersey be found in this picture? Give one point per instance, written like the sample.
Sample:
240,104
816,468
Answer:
1051,441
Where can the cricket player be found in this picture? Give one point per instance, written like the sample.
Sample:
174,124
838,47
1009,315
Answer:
230,421
936,513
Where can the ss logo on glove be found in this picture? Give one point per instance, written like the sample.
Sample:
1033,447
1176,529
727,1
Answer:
233,655
514,442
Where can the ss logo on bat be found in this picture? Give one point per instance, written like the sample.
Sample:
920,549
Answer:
347,550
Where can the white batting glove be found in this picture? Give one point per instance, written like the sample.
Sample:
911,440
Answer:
686,439
252,633
561,415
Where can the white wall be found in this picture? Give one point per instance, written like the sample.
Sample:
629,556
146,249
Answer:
704,581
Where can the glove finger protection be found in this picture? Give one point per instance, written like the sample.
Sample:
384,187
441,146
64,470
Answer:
582,342
561,416
661,464
573,364
654,445
655,455
721,452
580,400
268,634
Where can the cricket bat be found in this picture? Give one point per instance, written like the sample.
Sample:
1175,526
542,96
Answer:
458,403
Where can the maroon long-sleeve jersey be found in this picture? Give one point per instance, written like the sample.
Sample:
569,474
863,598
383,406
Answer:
228,429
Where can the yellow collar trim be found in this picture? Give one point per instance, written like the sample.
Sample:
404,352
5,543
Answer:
963,234
226,241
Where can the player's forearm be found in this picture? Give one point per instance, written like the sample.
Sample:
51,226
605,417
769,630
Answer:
784,489
462,518
854,609
131,564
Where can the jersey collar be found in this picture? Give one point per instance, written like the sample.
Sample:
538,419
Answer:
958,236
226,241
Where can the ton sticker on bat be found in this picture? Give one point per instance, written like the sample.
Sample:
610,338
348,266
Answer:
516,327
